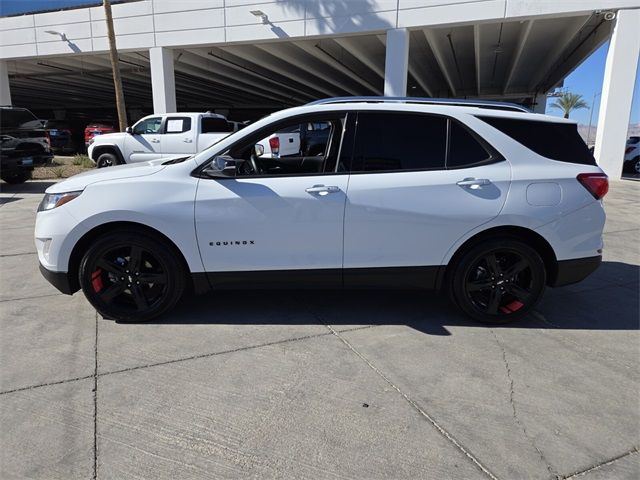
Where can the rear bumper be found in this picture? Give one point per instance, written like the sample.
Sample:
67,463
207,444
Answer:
574,271
60,280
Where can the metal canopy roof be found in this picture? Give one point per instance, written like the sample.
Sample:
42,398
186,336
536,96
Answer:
512,60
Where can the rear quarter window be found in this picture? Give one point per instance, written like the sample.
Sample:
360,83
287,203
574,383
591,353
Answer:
556,141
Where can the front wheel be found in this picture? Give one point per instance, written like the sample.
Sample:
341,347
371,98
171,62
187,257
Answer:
498,281
107,160
131,277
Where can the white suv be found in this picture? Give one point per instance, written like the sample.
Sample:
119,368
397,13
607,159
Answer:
488,202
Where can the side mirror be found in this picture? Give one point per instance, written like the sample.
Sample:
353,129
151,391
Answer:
259,149
128,130
221,167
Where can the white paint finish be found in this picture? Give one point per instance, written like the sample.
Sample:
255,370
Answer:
123,10
14,23
522,8
72,31
5,91
292,229
396,63
162,80
351,24
276,12
209,18
354,8
18,51
186,37
404,4
164,6
125,42
544,194
60,47
452,14
411,218
617,92
123,26
19,37
244,33
77,15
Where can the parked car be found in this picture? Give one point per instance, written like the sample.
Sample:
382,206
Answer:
24,144
96,128
303,139
632,156
156,136
60,136
476,200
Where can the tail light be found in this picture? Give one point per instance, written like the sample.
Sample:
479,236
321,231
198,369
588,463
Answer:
274,143
596,183
47,139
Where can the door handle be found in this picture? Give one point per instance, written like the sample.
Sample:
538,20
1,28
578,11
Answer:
155,140
187,140
322,190
473,183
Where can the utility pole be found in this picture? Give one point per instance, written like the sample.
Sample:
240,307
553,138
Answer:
115,67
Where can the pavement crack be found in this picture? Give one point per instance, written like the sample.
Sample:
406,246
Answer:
48,384
514,410
17,254
413,404
598,466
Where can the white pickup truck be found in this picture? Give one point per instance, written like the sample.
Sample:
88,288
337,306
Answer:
157,136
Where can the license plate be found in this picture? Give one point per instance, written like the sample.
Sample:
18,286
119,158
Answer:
27,161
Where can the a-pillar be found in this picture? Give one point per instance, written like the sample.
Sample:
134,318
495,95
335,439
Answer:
396,64
617,92
163,81
5,91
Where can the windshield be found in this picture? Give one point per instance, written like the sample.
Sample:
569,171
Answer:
14,118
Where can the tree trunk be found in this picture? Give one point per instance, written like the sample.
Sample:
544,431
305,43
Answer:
115,67
566,114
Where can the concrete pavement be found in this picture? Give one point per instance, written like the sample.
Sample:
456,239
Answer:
357,384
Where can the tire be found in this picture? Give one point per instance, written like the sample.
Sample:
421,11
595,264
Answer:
132,276
16,177
107,160
632,166
497,281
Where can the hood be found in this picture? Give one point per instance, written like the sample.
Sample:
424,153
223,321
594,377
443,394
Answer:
80,181
110,136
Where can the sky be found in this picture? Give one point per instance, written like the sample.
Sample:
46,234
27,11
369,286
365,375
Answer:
585,80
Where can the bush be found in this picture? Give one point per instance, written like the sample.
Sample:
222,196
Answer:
81,160
58,172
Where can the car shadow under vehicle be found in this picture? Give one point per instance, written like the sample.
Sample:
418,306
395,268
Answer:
426,311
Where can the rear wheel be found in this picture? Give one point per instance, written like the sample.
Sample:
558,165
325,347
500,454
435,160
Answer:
107,160
130,276
498,281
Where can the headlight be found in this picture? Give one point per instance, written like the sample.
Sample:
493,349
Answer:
53,200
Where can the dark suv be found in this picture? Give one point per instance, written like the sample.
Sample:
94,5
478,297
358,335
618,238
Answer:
24,144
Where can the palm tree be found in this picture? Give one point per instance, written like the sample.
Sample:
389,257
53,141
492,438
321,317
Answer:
567,102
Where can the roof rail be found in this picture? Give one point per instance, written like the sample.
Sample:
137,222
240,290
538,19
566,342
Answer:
429,101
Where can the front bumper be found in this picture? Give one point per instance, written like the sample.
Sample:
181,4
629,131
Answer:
574,271
60,280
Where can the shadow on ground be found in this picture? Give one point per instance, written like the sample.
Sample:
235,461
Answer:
426,311
9,200
27,187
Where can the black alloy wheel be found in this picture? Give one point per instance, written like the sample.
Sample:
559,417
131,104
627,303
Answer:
131,276
498,281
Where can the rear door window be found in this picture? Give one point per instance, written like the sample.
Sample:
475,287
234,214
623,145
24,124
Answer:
387,141
177,125
553,140
464,149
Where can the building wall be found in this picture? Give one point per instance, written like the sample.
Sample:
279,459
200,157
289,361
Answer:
149,23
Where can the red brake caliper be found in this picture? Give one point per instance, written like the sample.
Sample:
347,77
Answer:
512,307
96,280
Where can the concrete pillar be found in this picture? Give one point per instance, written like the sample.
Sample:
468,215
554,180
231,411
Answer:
5,92
540,103
617,92
163,80
396,63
